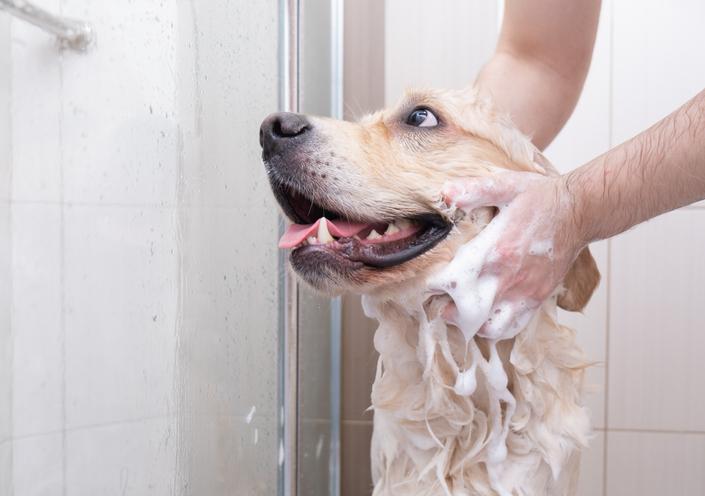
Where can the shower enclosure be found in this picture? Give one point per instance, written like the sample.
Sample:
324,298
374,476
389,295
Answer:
151,340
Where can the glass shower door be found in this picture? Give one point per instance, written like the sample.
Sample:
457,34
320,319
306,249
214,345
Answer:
139,273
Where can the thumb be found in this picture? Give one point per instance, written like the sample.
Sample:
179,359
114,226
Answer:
495,191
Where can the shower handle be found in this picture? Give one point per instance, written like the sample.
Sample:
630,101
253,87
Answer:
74,34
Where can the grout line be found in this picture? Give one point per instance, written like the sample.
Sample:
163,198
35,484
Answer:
62,275
657,431
159,206
100,425
608,288
316,420
10,268
605,413
61,202
357,422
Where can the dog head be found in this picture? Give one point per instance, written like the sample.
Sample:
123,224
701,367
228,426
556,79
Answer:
364,197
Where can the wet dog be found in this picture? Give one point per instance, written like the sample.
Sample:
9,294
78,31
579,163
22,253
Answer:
455,413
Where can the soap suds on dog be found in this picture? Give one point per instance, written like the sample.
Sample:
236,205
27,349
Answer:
445,404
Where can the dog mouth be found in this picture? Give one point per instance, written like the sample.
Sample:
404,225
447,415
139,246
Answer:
329,235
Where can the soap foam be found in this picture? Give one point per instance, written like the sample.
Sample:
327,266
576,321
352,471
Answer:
542,248
429,431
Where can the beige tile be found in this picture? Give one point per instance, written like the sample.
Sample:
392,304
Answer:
38,360
655,464
364,61
35,109
224,455
592,467
37,465
125,458
359,360
119,119
653,42
120,296
315,60
6,345
5,108
222,107
314,457
356,478
228,341
587,133
414,60
656,321
5,468
591,329
314,355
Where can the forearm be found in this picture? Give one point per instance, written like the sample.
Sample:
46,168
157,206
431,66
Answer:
541,62
538,99
659,170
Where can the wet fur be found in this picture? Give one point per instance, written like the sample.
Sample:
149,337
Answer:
427,439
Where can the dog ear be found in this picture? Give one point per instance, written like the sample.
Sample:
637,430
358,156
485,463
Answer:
580,282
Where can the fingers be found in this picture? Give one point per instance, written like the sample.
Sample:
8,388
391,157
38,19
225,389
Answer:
495,191
482,192
508,318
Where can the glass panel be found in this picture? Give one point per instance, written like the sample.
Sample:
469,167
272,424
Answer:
318,326
228,344
5,244
138,253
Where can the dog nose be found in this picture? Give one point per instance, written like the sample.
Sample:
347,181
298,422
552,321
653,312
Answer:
280,128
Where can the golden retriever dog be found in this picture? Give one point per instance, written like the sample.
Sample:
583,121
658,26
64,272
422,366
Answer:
455,413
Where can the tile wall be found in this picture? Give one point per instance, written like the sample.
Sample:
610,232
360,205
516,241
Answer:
138,260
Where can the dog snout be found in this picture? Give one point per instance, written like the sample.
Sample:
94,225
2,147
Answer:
280,129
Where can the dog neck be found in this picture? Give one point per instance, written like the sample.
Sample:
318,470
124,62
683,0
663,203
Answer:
465,415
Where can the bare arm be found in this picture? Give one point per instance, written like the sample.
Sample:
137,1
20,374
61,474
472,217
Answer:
661,169
536,75
541,61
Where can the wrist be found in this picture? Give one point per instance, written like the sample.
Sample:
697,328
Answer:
578,230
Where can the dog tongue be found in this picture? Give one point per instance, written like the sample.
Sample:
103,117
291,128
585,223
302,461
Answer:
297,233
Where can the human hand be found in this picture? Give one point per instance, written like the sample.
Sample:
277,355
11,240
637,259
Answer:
499,279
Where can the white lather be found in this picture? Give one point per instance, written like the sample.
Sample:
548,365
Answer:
458,414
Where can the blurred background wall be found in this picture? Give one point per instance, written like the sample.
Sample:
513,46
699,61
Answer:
5,262
645,324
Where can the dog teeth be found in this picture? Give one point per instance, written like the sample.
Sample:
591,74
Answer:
403,224
391,229
312,240
374,235
324,235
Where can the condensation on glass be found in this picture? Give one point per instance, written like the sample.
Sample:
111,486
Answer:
139,277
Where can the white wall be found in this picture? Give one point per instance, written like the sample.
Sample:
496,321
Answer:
5,245
437,44
646,322
143,263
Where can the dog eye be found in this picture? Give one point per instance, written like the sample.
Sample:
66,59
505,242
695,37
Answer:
422,118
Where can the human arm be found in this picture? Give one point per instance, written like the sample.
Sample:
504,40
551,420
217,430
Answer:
540,64
658,170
